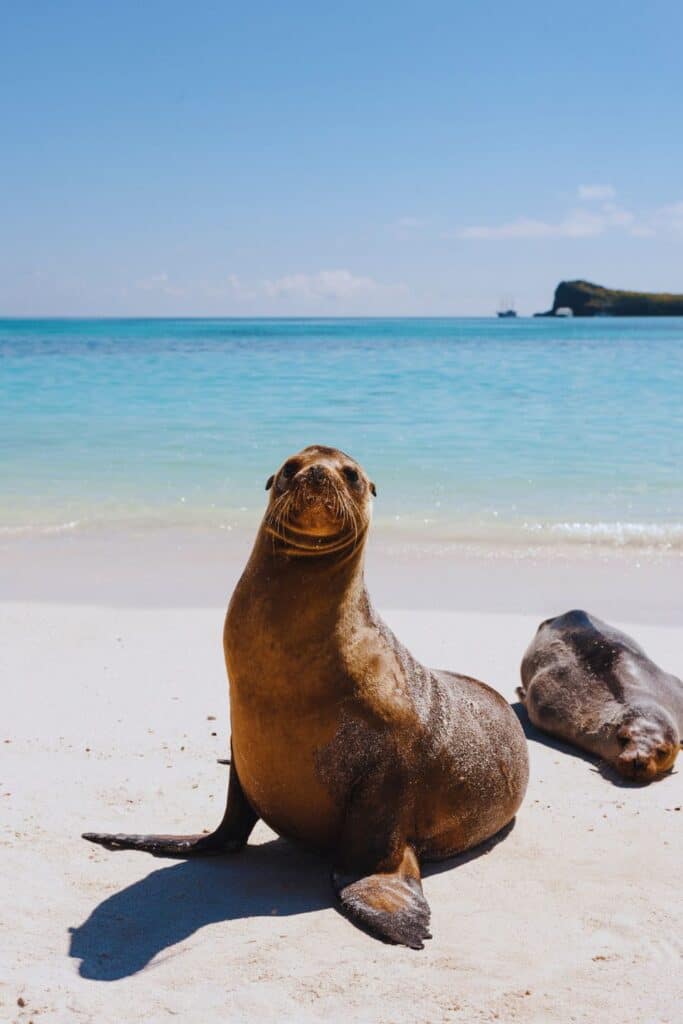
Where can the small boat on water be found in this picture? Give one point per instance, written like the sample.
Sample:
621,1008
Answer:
506,308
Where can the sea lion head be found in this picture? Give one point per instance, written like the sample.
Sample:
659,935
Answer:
320,501
648,743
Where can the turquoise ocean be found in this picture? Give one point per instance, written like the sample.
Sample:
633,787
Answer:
529,431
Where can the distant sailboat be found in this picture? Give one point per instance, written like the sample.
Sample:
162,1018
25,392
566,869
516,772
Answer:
506,308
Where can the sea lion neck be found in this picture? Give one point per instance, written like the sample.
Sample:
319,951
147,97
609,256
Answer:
342,555
286,541
323,583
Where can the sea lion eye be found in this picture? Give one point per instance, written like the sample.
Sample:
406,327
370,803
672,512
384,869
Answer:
288,470
351,474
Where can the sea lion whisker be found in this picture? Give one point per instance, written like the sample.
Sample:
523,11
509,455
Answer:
277,515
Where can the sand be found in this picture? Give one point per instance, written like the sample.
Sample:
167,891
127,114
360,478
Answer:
113,716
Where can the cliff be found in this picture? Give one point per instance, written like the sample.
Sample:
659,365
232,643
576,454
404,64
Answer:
586,299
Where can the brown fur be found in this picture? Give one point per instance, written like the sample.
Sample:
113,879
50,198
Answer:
589,684
341,740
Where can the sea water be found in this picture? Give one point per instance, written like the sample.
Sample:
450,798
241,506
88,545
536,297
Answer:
529,430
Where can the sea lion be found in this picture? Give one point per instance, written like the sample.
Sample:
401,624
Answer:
589,684
341,740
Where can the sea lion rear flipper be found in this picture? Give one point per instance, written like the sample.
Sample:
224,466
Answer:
232,833
390,905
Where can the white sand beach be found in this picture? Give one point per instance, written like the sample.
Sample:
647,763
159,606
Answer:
114,713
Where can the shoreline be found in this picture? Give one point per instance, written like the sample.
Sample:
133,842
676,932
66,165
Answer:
198,568
414,529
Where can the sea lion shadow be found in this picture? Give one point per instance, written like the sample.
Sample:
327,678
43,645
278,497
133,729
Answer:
436,867
127,930
612,775
599,766
545,739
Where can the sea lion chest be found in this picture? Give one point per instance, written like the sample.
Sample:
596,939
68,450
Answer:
287,687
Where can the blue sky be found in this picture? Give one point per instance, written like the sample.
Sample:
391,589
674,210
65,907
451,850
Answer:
357,158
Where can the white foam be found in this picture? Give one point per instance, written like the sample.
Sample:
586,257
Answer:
620,534
45,529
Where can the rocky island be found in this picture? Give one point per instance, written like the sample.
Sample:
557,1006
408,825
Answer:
586,299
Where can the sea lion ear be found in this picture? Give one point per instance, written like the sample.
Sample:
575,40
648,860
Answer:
373,489
269,482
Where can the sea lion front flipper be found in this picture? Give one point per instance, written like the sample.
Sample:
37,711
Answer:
231,835
389,905
161,845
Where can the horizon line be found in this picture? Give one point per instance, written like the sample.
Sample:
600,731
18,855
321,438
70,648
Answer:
259,316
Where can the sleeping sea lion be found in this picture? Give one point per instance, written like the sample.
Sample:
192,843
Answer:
589,684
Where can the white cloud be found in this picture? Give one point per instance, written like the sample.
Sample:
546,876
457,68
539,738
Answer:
230,287
591,220
341,287
160,283
589,192
153,282
236,287
674,210
669,218
579,224
325,284
616,216
410,223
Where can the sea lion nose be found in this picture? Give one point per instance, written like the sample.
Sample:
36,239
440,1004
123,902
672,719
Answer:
638,764
316,474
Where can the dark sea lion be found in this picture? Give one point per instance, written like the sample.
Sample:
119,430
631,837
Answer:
341,740
589,684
